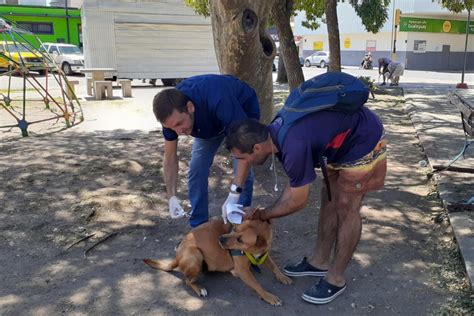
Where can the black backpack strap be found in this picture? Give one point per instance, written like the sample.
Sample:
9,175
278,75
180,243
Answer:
324,170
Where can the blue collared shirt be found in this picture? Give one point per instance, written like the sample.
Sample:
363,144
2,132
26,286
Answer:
219,100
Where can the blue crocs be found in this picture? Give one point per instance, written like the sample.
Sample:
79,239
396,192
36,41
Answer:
322,292
303,268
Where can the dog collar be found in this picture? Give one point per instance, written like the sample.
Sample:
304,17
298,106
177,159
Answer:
235,252
256,261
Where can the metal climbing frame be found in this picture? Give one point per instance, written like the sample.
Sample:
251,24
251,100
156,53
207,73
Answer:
23,57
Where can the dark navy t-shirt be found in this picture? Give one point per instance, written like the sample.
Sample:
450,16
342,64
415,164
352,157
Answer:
339,137
219,100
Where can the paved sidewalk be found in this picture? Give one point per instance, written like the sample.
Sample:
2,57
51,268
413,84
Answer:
438,126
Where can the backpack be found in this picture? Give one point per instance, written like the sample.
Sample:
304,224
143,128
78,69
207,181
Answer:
333,91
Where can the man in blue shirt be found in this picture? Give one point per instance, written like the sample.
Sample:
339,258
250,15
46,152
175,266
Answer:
383,68
203,107
353,147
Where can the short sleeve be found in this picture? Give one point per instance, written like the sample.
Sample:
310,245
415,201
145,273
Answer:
298,163
169,134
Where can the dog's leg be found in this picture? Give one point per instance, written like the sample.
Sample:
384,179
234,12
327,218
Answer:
270,264
190,265
242,271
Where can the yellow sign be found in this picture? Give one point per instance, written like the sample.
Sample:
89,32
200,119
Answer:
347,42
319,45
446,26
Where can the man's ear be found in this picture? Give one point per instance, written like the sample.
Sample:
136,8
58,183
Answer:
190,107
257,147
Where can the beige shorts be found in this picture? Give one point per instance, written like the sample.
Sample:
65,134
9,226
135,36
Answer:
363,175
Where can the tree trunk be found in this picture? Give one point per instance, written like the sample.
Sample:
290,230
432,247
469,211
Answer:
281,13
333,35
243,47
281,72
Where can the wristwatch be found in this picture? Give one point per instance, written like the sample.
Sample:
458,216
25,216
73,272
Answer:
234,188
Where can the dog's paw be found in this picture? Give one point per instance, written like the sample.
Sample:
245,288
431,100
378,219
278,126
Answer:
283,279
203,292
272,299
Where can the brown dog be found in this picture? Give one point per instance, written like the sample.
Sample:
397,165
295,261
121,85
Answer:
210,243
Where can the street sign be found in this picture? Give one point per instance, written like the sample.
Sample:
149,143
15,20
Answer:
411,24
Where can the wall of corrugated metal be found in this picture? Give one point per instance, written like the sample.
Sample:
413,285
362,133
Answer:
148,39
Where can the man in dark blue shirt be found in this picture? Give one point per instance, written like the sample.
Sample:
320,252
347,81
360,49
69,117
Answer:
203,107
353,148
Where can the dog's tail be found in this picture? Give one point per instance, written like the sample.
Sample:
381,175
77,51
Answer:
161,265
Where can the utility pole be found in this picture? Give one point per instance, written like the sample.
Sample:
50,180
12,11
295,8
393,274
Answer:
397,23
67,23
465,45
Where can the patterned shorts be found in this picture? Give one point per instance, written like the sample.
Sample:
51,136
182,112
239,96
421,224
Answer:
363,175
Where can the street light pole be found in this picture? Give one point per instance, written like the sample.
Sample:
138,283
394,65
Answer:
67,23
465,45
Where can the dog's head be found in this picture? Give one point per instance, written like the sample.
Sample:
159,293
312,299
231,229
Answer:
254,236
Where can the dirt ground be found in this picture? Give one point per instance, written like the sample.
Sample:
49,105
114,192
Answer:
59,188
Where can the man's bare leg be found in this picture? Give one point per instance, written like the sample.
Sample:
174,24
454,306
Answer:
327,228
348,234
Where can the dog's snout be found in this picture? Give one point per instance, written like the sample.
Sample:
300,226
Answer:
222,240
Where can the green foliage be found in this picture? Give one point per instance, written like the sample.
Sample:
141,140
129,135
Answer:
201,7
314,10
456,5
373,13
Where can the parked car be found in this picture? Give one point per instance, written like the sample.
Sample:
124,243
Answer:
319,59
69,57
32,60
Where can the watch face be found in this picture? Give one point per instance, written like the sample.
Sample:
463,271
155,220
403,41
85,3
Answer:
235,188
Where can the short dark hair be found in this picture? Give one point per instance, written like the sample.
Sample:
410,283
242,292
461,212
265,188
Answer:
245,134
168,100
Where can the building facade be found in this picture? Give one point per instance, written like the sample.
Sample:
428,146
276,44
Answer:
429,37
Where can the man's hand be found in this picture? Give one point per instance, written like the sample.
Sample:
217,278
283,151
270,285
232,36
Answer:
252,212
232,198
175,208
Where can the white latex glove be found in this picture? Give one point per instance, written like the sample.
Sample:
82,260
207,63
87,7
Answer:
176,210
233,198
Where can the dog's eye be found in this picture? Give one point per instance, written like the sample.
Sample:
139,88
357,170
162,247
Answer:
239,239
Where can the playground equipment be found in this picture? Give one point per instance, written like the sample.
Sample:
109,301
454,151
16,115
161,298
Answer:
51,98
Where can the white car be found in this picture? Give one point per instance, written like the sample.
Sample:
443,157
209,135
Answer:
69,57
320,59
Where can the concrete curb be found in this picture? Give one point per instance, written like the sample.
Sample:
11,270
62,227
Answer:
453,188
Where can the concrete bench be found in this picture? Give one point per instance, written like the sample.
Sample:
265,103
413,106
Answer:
70,88
90,85
103,88
126,85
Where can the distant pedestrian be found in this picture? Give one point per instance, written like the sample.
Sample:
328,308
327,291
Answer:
383,68
395,70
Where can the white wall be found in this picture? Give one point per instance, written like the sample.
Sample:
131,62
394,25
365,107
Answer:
349,22
33,2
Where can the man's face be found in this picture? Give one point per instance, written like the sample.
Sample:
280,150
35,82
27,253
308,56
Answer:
181,123
257,157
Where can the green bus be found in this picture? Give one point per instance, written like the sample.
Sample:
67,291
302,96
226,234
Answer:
49,24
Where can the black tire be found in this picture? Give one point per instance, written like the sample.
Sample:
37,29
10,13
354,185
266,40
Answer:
307,63
322,64
42,72
67,69
170,82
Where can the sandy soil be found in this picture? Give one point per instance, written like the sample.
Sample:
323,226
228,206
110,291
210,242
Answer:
59,188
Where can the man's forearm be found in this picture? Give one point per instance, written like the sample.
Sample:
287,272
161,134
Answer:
241,172
170,173
285,205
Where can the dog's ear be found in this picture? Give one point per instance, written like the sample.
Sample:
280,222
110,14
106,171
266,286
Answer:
261,242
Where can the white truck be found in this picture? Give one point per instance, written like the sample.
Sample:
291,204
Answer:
144,39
